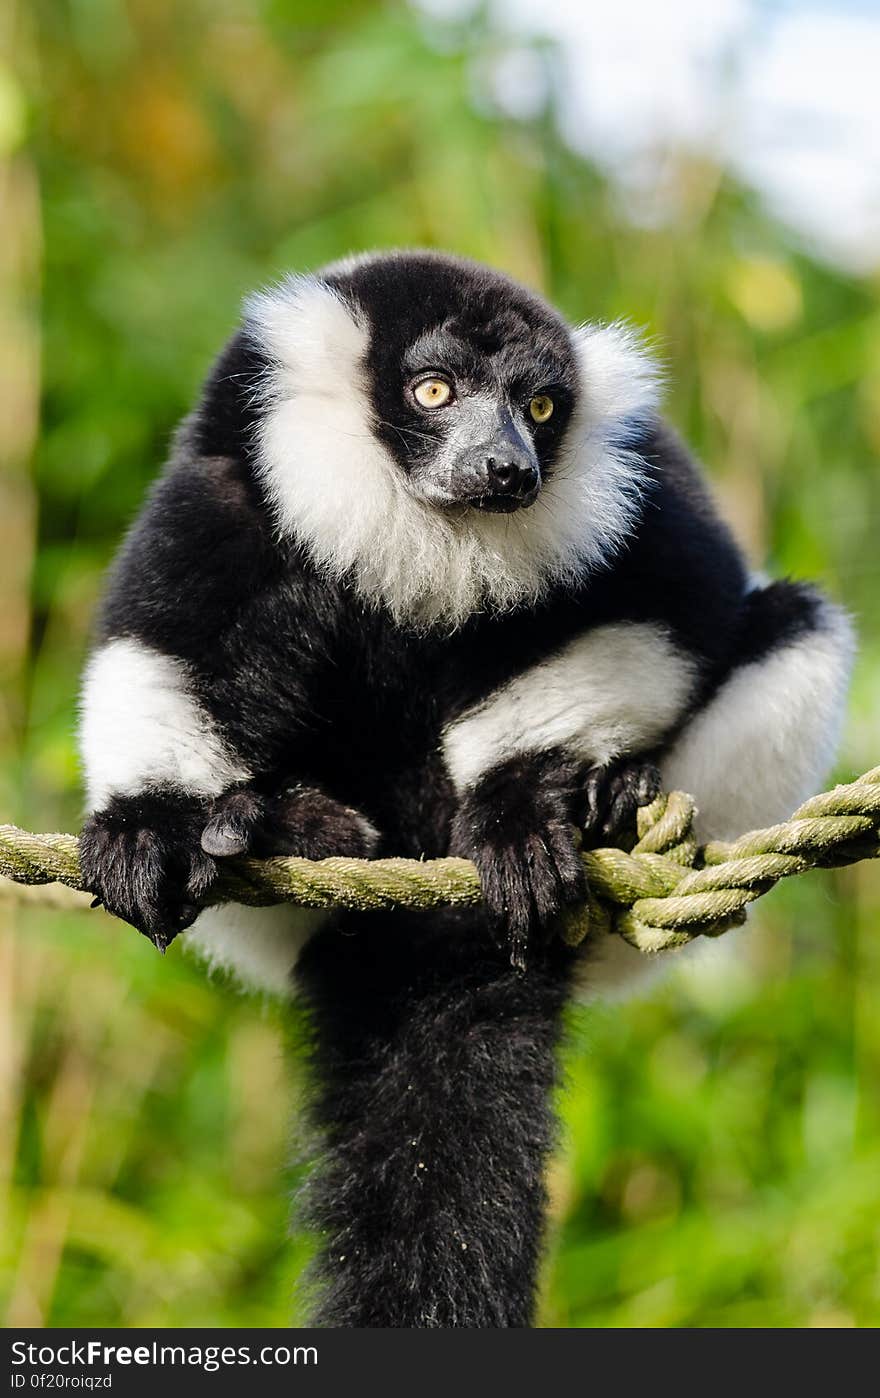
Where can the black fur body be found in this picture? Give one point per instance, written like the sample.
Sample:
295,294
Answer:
435,1033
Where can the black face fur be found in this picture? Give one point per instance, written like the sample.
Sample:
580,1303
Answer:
494,344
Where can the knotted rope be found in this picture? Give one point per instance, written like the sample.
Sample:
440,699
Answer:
663,892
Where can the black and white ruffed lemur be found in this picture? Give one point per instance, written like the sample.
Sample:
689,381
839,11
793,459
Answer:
427,575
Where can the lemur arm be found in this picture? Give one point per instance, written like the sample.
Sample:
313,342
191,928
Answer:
729,690
567,744
190,727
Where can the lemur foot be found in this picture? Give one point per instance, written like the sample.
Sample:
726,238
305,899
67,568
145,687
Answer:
299,820
612,794
142,858
518,826
152,859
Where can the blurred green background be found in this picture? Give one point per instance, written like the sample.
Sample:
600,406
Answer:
721,1155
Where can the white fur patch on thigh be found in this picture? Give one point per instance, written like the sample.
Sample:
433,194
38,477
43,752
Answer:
767,739
139,726
260,946
758,749
617,689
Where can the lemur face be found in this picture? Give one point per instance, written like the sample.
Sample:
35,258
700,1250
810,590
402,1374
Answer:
472,379
403,410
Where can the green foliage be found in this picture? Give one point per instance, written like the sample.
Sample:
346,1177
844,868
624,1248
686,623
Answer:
722,1140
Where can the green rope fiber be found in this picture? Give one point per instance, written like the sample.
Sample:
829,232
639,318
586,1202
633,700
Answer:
662,893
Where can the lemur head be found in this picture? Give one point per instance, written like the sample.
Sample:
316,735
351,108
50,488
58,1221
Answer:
471,378
439,437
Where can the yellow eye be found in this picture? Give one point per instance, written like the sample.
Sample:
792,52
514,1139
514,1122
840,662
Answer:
432,393
541,407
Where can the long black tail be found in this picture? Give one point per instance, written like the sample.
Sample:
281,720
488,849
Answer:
435,1062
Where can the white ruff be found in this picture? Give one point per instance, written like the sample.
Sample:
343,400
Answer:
334,486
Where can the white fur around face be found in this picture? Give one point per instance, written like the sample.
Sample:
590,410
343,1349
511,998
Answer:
620,381
334,486
260,946
616,689
767,739
139,727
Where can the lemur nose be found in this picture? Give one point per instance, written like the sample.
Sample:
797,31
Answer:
511,477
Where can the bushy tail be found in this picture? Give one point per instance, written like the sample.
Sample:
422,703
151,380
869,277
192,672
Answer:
434,1063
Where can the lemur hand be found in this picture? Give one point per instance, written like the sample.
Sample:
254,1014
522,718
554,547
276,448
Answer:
152,859
611,794
518,825
142,858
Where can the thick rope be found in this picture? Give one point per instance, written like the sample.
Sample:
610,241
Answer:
662,893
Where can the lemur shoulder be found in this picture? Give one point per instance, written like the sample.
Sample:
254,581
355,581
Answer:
428,574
